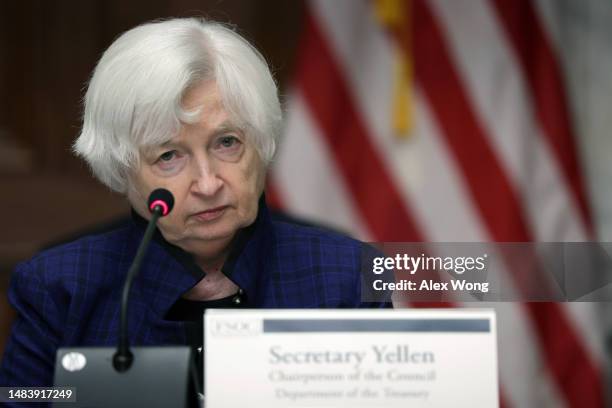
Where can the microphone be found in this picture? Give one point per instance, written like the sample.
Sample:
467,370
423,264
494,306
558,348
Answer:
161,198
116,377
160,203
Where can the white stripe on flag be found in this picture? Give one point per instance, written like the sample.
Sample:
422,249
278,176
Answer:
498,92
580,37
522,369
499,95
424,170
304,160
432,182
421,168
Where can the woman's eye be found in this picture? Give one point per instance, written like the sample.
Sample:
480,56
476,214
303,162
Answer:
228,141
168,156
228,147
170,160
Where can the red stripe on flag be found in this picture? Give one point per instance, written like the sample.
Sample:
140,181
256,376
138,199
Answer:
577,378
365,175
487,182
499,204
542,71
326,94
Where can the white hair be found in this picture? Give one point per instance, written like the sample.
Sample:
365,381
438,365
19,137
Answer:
135,94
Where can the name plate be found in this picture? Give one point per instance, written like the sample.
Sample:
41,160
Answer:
350,358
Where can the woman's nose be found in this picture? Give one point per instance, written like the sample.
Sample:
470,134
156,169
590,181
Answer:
206,179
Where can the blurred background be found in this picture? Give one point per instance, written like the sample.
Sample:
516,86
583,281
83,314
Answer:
440,120
47,53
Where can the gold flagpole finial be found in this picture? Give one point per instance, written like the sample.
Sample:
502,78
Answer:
393,15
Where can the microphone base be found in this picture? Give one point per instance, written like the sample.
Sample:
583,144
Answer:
158,377
122,361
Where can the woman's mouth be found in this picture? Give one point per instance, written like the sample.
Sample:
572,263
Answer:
211,214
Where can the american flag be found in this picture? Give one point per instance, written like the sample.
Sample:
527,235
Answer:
448,120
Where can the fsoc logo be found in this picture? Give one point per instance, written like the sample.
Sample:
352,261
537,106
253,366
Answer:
236,328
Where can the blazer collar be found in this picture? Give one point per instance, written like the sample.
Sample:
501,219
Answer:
245,265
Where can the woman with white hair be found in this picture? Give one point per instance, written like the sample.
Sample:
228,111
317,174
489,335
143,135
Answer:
189,106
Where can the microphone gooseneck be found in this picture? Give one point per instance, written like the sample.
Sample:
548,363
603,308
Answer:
160,203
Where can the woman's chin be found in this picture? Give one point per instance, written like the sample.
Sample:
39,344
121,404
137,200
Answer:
195,237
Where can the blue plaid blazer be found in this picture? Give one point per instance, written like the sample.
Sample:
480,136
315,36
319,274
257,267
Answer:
69,295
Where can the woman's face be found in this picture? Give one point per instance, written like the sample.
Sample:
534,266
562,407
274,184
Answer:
213,171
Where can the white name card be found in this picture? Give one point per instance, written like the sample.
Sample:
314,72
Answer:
350,358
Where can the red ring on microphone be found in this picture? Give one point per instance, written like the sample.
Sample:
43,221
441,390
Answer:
162,204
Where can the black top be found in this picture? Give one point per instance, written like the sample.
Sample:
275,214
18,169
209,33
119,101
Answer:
192,312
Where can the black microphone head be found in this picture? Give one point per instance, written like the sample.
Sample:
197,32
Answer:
162,198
